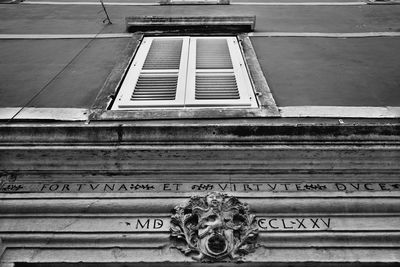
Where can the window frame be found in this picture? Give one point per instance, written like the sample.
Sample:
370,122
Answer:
101,109
186,75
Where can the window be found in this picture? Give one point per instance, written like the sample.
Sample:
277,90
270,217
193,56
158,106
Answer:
186,72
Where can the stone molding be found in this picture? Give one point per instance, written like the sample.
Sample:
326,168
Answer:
115,204
194,2
52,227
242,131
191,160
37,228
194,149
192,24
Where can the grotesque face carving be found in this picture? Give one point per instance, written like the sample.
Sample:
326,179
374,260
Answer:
214,227
214,200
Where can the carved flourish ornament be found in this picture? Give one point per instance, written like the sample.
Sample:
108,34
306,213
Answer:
215,227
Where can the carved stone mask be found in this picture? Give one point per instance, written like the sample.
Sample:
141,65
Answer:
215,227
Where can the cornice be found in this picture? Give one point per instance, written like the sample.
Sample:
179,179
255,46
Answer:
239,132
118,205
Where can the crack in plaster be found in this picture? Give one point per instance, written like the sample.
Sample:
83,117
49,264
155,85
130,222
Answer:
77,218
68,224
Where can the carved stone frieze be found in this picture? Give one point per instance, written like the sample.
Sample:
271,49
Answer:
214,227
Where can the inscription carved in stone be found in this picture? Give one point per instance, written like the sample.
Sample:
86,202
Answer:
129,187
215,227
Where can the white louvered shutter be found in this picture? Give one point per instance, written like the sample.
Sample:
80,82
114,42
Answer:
157,76
217,74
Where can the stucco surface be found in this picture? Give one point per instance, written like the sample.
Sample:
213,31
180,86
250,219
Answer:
301,71
28,66
331,71
24,18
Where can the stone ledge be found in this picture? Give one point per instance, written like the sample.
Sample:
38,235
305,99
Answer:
117,206
194,2
190,24
383,2
46,257
156,240
194,132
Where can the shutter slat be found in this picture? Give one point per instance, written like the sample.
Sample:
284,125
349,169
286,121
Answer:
153,87
164,54
216,87
213,54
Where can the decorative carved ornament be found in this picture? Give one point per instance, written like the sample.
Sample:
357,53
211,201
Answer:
215,227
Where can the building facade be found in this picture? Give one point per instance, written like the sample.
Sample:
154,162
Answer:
214,133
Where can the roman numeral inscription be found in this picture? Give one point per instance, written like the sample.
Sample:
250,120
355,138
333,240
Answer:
294,224
265,224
